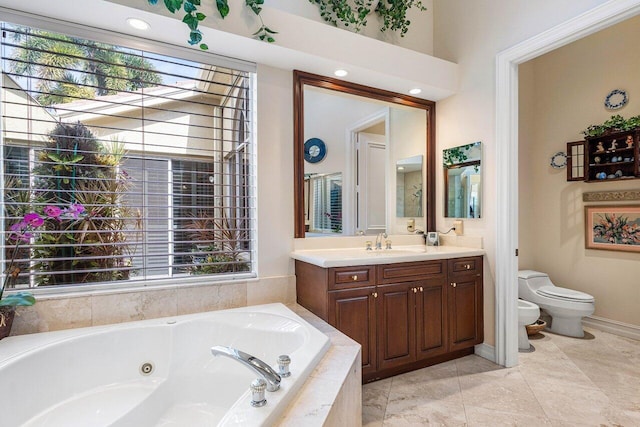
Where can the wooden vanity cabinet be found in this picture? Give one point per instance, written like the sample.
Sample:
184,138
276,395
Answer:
353,312
465,303
396,325
411,312
405,315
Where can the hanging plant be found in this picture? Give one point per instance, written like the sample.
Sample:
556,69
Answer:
340,11
616,123
350,13
392,12
193,17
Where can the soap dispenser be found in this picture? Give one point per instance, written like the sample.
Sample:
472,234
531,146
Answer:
433,238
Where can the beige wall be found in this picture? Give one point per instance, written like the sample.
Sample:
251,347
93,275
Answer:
562,93
472,33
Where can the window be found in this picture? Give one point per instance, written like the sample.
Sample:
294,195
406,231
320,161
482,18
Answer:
326,190
141,164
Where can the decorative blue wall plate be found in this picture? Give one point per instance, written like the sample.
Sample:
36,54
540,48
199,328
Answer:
616,99
314,150
559,160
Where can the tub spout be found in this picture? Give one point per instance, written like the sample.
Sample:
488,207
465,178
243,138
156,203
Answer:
258,366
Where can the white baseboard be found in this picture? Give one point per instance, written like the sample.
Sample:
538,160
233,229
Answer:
613,327
486,351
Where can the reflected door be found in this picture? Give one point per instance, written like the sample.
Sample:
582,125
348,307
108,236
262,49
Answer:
371,183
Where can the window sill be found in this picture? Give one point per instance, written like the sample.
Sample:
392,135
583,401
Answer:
75,291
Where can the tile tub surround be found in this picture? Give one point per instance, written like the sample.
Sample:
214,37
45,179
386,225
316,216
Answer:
332,393
332,396
565,382
66,311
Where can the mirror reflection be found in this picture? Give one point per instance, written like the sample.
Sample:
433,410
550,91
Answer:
463,181
409,187
323,203
351,145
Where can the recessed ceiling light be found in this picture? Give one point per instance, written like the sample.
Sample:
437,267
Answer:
138,24
400,168
340,73
415,91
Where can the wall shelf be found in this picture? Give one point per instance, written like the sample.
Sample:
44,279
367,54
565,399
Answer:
604,158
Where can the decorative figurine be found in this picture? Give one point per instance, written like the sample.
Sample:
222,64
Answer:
600,148
614,145
597,159
629,141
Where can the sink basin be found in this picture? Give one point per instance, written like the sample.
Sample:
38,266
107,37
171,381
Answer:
388,252
342,257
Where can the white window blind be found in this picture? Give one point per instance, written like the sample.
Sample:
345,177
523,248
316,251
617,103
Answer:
157,150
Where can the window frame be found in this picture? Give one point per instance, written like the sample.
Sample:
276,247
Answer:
179,52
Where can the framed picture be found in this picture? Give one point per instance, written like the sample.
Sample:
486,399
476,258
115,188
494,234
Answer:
615,228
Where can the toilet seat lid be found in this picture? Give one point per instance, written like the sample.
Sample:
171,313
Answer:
565,294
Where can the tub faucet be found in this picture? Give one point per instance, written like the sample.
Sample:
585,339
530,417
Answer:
379,239
258,366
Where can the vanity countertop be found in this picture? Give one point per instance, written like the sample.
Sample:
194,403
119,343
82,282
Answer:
345,257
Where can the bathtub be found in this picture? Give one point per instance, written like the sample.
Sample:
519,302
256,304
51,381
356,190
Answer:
99,376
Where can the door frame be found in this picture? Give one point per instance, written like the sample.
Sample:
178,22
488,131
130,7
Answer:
507,61
348,189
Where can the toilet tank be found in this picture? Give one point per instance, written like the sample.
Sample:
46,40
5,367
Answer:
529,281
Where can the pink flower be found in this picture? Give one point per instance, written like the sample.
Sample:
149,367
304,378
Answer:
53,212
18,226
74,210
32,219
19,233
25,237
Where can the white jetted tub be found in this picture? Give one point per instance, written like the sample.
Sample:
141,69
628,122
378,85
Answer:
97,376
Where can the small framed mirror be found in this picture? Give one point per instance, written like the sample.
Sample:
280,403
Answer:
463,181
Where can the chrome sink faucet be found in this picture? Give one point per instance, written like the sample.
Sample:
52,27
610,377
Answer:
379,239
258,366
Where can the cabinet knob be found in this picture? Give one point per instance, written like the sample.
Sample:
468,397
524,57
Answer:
421,289
415,290
375,294
454,284
354,277
467,266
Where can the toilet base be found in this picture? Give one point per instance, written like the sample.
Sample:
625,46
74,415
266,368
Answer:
531,349
523,338
571,327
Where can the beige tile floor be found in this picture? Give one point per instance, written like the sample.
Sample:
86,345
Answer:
566,382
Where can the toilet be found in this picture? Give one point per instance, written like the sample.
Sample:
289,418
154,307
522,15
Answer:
565,306
528,313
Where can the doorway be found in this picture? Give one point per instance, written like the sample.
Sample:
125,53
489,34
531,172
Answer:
594,20
367,171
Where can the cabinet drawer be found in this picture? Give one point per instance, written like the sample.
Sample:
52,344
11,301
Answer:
409,271
465,265
351,277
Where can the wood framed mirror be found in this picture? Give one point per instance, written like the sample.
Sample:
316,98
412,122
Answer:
317,148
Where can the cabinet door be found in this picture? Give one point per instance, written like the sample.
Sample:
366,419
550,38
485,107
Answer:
576,160
353,312
396,325
465,311
431,318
